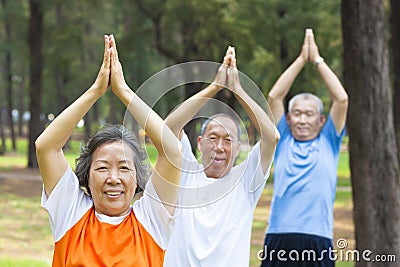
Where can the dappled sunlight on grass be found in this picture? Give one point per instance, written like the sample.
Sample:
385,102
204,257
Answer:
24,230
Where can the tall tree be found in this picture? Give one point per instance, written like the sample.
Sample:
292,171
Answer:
395,52
35,88
373,154
8,71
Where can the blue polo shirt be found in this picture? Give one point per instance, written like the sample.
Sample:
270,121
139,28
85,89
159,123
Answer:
305,177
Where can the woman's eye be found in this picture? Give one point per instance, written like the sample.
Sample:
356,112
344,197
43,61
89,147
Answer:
101,168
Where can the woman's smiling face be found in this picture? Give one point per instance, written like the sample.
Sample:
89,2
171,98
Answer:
112,178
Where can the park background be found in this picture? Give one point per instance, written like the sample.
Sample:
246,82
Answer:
51,51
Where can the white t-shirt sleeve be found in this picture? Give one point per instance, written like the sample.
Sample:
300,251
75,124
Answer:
66,204
154,217
188,157
250,171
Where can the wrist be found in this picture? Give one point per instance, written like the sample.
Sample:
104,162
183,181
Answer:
318,60
301,60
215,86
96,91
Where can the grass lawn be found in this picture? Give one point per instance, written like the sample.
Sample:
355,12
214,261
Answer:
12,262
25,236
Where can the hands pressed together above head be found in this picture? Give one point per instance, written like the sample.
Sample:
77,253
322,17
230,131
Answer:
228,74
309,51
111,73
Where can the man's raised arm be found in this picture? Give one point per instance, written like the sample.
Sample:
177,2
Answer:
338,95
178,118
260,119
282,86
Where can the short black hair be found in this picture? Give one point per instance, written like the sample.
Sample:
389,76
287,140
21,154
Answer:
111,134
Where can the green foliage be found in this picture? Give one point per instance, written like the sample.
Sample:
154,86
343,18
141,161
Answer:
267,36
272,33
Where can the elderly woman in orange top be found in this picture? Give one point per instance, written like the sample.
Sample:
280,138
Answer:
91,214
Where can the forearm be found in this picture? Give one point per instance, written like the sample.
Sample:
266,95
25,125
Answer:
285,81
49,144
154,126
268,132
335,88
282,86
258,116
177,119
55,136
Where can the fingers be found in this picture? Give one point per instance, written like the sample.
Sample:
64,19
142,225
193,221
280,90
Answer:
310,36
106,42
106,50
233,78
233,58
309,32
229,56
226,60
113,46
306,50
313,48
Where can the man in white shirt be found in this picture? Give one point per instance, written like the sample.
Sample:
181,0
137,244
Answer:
217,198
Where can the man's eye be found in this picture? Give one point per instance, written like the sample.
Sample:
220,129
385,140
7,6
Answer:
126,168
101,168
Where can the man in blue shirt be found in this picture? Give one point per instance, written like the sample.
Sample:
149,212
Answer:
300,229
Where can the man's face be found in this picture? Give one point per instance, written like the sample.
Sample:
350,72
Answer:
304,120
219,147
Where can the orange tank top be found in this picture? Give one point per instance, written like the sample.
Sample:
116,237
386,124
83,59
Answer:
93,243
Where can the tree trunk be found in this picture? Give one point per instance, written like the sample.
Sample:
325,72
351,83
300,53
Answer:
373,153
395,44
35,88
8,74
2,135
20,105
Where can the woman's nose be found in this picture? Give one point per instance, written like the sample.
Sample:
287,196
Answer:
113,177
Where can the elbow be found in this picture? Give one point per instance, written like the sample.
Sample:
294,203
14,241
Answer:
174,155
274,100
277,136
43,146
272,137
343,98
173,126
343,101
272,97
39,145
175,151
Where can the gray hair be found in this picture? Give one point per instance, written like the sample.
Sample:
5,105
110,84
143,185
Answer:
111,134
219,115
307,96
